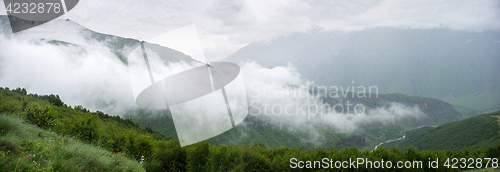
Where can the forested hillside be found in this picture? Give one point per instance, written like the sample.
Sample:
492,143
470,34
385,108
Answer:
476,132
40,132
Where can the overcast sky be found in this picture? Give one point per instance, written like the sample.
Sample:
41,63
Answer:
226,25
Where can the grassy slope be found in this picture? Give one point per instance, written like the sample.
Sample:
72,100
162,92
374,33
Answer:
114,136
25,147
475,132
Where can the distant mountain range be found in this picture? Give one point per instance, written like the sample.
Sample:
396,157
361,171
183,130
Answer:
460,67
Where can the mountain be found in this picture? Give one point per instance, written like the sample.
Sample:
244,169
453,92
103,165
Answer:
254,130
44,123
258,129
475,132
461,67
78,60
66,32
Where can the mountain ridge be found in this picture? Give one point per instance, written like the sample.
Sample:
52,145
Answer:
460,67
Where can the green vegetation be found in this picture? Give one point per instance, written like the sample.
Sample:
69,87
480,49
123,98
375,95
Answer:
41,133
25,147
475,132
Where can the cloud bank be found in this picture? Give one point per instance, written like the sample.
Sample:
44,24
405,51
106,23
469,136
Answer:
281,97
94,77
226,26
82,75
85,72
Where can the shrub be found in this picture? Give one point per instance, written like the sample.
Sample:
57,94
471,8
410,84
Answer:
40,116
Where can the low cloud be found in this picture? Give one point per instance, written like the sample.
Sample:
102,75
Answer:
226,26
88,75
281,97
95,78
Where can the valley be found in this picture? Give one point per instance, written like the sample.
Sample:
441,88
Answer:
379,93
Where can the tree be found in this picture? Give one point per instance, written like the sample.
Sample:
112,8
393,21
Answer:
167,156
199,156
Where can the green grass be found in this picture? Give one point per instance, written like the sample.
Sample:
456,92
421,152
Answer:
25,147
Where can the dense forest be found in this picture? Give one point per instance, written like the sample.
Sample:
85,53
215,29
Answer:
41,133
